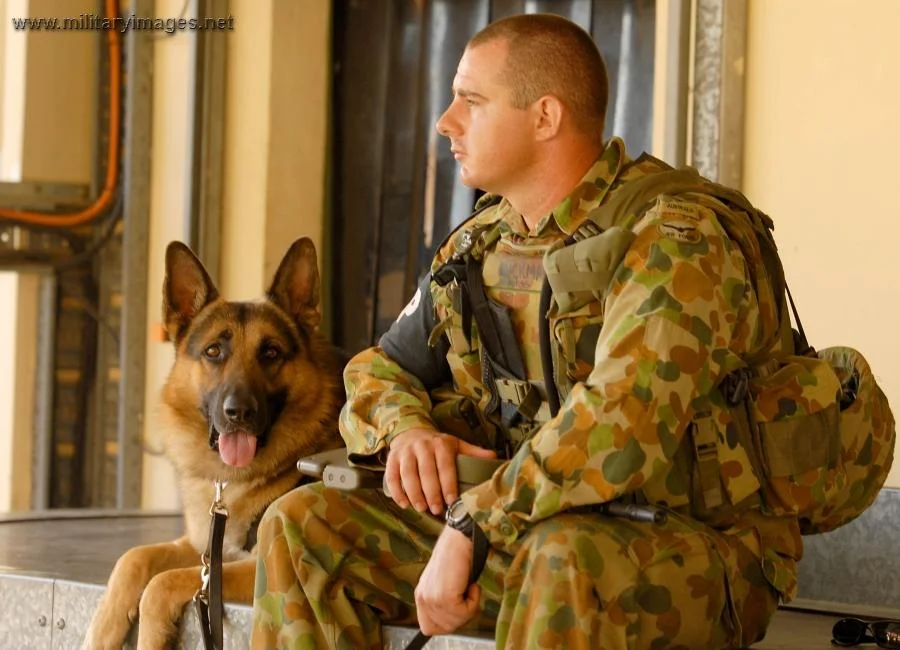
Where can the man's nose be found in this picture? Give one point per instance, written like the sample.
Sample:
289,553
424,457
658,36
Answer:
446,125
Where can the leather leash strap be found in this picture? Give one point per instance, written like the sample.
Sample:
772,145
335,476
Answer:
208,599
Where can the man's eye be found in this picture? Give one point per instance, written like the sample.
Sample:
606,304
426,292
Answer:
213,351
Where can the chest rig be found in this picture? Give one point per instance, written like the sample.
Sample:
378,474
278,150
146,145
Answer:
525,389
514,401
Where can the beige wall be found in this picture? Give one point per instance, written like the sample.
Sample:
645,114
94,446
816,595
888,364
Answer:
169,176
821,142
18,295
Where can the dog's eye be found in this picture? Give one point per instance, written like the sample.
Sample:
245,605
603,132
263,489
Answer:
212,351
270,352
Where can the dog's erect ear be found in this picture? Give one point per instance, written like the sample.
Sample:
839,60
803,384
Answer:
296,285
186,290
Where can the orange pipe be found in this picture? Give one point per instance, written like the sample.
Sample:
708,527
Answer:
91,212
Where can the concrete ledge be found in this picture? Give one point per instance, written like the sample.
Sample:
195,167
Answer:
52,569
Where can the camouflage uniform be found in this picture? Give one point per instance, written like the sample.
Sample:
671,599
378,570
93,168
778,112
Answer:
680,313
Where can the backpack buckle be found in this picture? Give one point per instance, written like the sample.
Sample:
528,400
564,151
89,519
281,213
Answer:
735,386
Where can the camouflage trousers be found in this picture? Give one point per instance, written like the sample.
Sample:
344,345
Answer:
333,566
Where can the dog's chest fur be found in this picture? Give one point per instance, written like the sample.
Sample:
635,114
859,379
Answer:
198,495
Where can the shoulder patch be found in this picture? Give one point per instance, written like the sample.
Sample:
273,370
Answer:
681,231
678,209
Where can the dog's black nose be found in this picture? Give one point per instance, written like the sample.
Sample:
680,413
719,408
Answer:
240,409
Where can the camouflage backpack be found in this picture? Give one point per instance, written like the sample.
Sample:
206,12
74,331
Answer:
820,430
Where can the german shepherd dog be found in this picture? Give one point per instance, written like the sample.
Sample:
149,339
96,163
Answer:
253,388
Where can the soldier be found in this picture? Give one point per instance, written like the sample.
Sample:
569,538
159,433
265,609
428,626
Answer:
638,366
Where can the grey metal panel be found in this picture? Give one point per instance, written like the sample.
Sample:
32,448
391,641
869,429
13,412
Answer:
99,469
717,109
718,101
236,629
26,604
138,90
210,54
43,394
856,564
707,88
73,606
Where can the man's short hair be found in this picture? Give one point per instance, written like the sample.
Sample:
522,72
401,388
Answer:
550,55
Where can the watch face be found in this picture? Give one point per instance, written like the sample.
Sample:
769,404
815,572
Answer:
456,513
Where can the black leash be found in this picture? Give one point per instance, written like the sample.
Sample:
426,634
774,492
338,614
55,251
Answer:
479,559
208,599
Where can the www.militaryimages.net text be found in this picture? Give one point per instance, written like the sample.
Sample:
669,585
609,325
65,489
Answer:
123,24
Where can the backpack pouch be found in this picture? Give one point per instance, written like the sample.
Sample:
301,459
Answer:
795,414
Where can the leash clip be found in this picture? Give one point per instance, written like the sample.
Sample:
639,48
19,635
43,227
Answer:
218,506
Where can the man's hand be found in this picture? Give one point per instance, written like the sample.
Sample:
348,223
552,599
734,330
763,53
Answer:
421,468
443,603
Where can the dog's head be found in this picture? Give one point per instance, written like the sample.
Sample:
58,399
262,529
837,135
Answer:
238,364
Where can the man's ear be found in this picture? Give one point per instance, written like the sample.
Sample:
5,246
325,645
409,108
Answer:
186,290
295,288
548,114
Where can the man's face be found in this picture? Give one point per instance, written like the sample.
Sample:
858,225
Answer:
492,140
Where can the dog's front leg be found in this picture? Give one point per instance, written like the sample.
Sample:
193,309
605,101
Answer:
119,605
165,597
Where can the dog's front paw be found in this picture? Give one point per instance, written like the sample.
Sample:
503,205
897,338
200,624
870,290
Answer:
110,625
162,605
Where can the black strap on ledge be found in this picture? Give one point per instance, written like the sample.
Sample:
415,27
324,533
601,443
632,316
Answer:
208,599
480,549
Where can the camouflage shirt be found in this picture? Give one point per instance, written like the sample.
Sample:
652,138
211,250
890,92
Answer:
679,314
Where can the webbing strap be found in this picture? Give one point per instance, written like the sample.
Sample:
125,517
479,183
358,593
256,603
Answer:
495,339
208,600
706,449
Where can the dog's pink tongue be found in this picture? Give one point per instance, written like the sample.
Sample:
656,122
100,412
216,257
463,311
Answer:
237,449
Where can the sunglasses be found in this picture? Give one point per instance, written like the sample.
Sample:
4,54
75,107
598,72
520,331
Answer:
853,631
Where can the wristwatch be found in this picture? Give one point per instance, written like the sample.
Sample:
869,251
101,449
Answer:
458,519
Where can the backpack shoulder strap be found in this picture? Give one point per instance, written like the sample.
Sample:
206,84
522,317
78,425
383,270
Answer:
637,194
